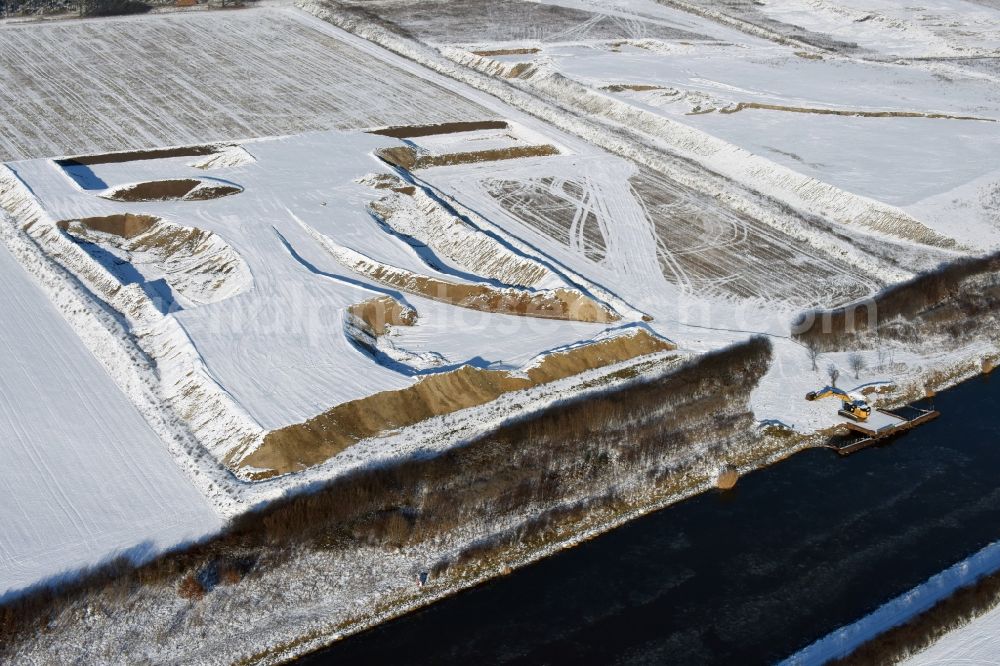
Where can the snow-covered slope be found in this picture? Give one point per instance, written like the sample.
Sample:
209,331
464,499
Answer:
83,475
830,134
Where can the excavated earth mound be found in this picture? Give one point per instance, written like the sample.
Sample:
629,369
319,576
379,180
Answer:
303,445
198,264
181,189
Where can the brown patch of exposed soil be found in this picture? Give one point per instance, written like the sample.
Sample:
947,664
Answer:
381,312
553,209
302,445
632,87
197,263
561,303
406,157
519,70
189,189
427,221
135,155
505,52
212,192
848,112
125,225
412,131
727,478
555,304
719,252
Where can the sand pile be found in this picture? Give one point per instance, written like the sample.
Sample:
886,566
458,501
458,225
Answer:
299,446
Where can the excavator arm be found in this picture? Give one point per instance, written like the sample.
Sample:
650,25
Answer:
828,392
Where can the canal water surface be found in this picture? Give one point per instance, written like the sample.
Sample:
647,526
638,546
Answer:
743,577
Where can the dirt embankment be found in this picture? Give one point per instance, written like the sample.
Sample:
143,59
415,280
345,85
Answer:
898,643
489,53
136,155
848,112
198,264
377,314
406,157
416,215
125,225
955,302
182,189
566,304
593,456
631,87
306,444
413,131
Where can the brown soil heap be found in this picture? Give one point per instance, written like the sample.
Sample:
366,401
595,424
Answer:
568,304
181,189
302,445
727,479
197,263
406,157
125,225
633,87
505,52
136,155
377,314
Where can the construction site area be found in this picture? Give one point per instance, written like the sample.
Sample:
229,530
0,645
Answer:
363,252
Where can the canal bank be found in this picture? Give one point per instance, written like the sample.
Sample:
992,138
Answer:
755,574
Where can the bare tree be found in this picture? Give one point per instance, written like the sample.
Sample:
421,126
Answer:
833,373
857,363
812,350
882,355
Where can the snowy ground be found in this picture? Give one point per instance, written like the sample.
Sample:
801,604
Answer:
83,475
273,336
947,178
264,345
942,28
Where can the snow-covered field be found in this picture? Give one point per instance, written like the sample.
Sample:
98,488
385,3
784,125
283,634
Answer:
174,79
718,216
829,116
942,28
83,474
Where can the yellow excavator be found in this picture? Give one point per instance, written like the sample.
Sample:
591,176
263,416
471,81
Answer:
851,407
